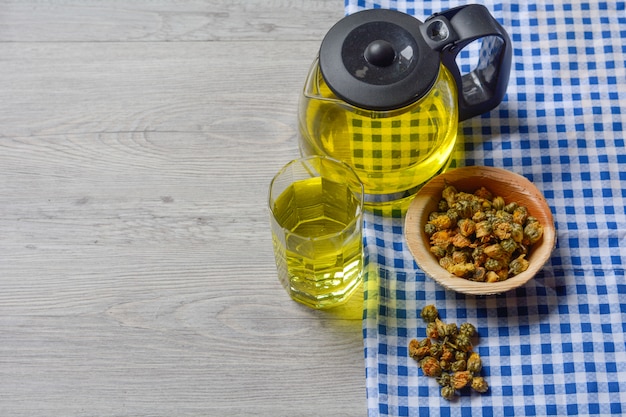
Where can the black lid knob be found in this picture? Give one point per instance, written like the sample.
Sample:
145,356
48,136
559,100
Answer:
380,53
378,60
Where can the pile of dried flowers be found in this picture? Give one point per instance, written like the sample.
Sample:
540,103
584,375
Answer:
446,355
479,236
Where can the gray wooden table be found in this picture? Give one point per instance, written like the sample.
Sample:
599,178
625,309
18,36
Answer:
137,141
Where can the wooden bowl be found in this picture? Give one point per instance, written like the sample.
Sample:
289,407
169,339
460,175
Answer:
513,188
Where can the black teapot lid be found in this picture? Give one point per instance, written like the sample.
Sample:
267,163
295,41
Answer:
378,60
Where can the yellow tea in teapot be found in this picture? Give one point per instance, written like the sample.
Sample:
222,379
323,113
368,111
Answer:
391,151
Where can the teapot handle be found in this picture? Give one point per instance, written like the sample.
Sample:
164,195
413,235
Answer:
451,31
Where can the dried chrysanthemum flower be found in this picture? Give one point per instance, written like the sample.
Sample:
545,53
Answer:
436,350
441,238
467,329
442,222
479,384
462,270
438,251
464,342
517,232
467,227
464,208
430,366
441,328
492,276
479,256
520,214
510,208
482,192
480,274
474,363
429,313
461,379
447,392
461,241
501,229
454,216
451,329
418,350
503,274
444,379
533,232
503,215
430,228
498,203
461,256
484,228
492,264
480,215
531,219
496,251
431,330
446,262
518,265
509,246
447,354
460,365
449,194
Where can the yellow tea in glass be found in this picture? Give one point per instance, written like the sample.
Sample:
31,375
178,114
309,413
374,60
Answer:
316,208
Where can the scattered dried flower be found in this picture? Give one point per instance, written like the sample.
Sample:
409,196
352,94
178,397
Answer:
448,392
447,354
444,379
429,313
419,350
479,384
460,365
431,330
461,379
430,366
468,329
474,363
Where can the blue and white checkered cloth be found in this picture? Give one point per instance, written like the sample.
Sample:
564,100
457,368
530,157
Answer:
557,345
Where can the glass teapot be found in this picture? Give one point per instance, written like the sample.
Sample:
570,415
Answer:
385,94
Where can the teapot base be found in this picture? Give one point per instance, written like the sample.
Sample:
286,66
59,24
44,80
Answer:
396,204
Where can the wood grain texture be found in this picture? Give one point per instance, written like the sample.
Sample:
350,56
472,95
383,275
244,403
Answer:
174,20
137,141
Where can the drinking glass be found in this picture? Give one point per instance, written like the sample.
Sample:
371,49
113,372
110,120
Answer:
316,206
